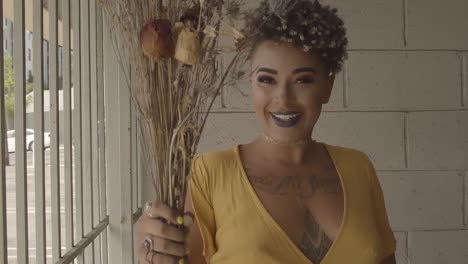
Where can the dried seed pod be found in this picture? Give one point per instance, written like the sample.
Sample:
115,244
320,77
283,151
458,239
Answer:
156,39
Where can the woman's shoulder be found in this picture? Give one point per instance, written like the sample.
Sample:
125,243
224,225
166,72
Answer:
217,159
216,156
347,154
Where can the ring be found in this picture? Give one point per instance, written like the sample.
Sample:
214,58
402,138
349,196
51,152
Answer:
147,244
147,209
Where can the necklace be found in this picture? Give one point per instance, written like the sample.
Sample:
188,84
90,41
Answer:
300,142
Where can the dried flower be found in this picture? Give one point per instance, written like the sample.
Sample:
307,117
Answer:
228,49
237,34
210,31
156,39
170,96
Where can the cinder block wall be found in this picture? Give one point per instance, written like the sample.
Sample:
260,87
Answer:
403,99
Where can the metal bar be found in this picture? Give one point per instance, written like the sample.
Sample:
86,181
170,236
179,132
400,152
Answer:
112,120
136,215
20,137
86,118
126,189
94,126
67,125
77,140
3,153
139,168
39,160
54,130
134,163
101,127
133,174
84,242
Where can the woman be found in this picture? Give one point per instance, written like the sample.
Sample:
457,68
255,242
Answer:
284,197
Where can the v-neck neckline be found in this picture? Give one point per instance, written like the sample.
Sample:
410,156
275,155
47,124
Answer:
275,224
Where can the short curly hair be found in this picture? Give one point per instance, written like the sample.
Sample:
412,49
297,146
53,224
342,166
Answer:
305,23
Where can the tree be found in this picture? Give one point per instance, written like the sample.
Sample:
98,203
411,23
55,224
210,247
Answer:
9,90
9,86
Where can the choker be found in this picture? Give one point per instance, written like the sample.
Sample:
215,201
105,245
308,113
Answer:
300,142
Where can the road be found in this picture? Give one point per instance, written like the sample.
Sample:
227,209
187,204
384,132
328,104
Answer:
11,206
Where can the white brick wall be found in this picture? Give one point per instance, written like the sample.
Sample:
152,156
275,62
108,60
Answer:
434,205
434,24
445,246
374,83
404,101
372,24
465,80
401,253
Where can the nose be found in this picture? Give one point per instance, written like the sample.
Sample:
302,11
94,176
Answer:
285,93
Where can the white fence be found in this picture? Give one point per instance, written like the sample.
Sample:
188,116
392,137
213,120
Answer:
76,201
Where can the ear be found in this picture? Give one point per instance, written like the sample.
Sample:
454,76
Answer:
329,82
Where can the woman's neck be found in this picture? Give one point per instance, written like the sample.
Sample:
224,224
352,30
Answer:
286,153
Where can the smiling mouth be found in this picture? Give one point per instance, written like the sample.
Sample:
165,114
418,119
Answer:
286,119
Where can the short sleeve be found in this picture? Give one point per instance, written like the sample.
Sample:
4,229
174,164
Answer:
201,194
386,233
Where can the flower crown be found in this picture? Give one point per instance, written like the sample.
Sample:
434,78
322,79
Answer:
306,24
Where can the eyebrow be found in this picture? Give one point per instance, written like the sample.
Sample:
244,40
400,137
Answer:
304,69
267,70
296,71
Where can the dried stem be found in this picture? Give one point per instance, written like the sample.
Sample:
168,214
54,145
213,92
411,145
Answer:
169,98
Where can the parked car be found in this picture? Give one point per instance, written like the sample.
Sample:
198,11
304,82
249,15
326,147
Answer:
29,139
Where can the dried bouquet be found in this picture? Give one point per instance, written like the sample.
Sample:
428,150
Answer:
173,51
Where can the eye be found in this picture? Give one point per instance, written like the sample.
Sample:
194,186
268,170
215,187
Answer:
266,79
305,80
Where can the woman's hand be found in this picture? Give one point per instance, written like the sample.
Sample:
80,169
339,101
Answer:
161,234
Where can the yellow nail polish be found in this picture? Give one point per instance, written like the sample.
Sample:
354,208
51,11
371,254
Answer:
180,220
181,261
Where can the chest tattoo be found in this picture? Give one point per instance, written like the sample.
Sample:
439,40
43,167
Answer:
315,243
302,186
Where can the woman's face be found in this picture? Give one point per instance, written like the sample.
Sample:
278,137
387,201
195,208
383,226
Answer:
289,87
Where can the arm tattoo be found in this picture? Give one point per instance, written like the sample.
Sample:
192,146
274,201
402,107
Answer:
315,243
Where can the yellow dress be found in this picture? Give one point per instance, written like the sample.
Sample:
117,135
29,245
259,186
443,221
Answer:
237,228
